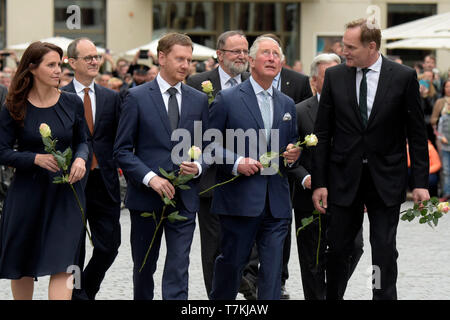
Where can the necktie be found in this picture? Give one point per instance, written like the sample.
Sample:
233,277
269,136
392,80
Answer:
265,113
173,111
89,121
363,96
232,82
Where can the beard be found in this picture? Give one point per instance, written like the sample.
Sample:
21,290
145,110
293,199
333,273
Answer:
235,68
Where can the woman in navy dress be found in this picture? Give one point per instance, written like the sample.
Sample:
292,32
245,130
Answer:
41,224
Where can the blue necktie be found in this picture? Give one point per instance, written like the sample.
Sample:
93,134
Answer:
232,82
173,111
265,113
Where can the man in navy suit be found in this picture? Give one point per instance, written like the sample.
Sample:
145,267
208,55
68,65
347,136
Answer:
256,206
152,112
102,110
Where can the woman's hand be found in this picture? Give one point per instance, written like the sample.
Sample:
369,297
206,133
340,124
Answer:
77,170
46,161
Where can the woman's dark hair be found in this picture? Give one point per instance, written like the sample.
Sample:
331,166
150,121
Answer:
22,82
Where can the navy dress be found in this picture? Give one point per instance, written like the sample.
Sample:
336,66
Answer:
41,223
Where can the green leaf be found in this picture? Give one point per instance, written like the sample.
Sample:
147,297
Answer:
61,160
68,155
184,187
267,157
169,176
416,206
423,212
404,217
58,180
183,179
146,214
423,220
174,216
435,200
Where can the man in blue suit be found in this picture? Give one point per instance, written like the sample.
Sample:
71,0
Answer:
151,114
256,207
101,183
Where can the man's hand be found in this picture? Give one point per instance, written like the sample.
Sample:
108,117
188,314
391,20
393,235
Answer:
249,166
187,167
307,183
320,194
77,171
46,161
292,153
162,187
420,194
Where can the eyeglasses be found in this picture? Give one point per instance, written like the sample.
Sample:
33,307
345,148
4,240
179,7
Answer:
88,59
267,53
236,52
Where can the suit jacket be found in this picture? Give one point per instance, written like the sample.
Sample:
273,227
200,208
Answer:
208,178
3,93
306,112
344,141
102,140
237,108
295,85
143,142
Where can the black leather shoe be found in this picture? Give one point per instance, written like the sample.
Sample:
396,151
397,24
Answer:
284,294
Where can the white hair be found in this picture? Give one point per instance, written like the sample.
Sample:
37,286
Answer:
323,58
255,46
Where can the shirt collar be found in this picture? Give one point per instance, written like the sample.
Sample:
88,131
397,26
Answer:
164,85
225,76
79,87
258,89
376,66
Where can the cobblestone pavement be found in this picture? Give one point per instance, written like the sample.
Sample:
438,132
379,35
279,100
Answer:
423,266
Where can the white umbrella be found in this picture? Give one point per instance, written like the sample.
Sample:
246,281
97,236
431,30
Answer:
61,42
199,53
420,43
437,26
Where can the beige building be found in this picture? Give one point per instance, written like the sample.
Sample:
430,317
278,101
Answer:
306,27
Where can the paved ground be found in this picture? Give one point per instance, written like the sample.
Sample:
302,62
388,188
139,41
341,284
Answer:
423,267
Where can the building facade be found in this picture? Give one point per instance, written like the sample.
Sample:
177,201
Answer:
305,27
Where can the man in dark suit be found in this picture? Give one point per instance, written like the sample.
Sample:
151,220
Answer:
313,275
3,93
254,207
232,54
296,86
369,107
152,114
102,110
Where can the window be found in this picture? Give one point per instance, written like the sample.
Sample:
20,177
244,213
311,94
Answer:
402,13
205,21
93,20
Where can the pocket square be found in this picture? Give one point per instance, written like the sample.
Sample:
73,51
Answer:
287,117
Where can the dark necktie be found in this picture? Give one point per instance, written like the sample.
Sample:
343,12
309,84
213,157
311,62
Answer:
232,82
173,111
363,96
89,121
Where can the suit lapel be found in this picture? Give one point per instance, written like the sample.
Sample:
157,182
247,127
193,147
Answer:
215,80
284,82
251,103
99,105
185,103
158,102
351,93
312,109
383,84
277,110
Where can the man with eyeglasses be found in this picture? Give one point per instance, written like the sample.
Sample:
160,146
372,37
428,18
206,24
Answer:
101,183
232,55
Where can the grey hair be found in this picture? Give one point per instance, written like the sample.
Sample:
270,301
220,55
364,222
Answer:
72,48
255,46
224,36
323,58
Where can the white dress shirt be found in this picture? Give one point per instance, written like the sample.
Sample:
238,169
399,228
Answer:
372,76
79,89
224,77
164,86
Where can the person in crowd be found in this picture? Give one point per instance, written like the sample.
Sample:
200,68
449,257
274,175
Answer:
255,207
297,66
101,110
139,72
5,79
152,73
360,159
102,79
313,274
232,54
442,105
3,93
428,97
296,86
115,84
429,63
41,223
151,112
